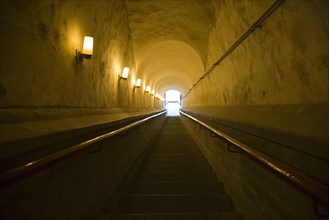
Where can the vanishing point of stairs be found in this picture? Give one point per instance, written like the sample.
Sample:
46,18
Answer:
175,182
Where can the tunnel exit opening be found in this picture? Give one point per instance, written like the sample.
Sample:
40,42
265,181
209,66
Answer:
173,102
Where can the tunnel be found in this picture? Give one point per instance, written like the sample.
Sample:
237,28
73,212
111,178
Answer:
85,131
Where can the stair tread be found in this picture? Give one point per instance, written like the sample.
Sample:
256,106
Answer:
178,160
174,182
173,216
167,168
209,186
176,156
141,203
178,176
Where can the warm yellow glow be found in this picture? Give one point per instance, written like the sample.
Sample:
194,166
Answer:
133,79
88,43
148,89
138,83
159,97
153,91
125,73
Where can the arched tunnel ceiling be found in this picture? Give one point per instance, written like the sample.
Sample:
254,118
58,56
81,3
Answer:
171,62
170,40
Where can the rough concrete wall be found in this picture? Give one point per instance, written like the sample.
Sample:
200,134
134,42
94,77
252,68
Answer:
284,63
273,85
38,43
256,193
76,187
277,79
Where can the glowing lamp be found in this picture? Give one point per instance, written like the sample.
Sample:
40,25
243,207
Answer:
148,89
153,91
138,83
88,44
125,73
87,49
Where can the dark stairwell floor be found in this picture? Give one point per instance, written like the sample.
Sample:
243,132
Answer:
175,182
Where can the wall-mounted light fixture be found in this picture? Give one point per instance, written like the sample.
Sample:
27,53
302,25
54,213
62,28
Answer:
87,49
137,84
125,73
153,92
147,89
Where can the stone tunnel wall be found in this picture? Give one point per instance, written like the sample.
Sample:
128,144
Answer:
282,66
38,47
40,78
273,86
45,92
277,79
283,62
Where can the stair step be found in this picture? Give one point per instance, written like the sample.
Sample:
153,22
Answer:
182,161
164,140
183,187
177,151
173,145
184,149
175,203
168,147
176,176
173,216
177,147
172,136
176,154
179,156
178,168
175,182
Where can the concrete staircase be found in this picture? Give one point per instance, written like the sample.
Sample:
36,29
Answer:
175,182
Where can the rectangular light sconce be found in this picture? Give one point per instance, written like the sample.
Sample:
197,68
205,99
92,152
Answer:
88,44
125,73
148,89
153,91
87,49
138,83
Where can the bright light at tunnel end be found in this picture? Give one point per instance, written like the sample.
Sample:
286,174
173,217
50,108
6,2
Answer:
173,102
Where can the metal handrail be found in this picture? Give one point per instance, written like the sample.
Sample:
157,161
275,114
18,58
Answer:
20,171
311,186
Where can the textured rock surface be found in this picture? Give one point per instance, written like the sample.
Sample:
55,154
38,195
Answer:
40,78
38,45
281,67
284,62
